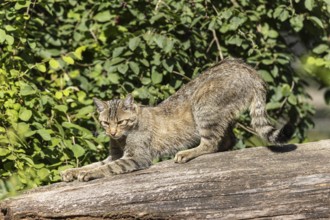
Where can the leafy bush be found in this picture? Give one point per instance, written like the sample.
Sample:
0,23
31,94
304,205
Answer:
56,55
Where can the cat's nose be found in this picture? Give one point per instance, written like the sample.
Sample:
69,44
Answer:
113,132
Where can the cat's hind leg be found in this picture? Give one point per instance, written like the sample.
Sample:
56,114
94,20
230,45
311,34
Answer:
214,128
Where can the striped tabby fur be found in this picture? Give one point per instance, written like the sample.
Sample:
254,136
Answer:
196,120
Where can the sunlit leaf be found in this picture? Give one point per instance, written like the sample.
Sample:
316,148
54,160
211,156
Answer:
41,67
68,59
54,64
44,134
103,16
27,90
25,114
77,150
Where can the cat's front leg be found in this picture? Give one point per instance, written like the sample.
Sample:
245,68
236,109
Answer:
72,173
69,174
122,165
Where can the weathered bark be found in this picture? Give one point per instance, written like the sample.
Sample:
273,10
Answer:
289,182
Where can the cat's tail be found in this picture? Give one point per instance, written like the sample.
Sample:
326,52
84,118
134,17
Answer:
261,124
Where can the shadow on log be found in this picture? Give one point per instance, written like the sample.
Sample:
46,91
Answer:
292,182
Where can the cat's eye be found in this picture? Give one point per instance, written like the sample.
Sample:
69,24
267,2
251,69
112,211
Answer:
122,122
105,123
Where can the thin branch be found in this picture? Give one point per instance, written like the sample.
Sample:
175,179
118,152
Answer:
217,43
248,129
157,5
180,74
93,35
209,47
286,98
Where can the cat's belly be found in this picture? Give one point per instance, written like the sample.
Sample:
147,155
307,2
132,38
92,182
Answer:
176,133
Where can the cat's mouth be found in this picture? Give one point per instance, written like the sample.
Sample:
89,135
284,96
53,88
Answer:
116,136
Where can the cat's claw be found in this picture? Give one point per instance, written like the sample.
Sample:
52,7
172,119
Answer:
182,157
85,176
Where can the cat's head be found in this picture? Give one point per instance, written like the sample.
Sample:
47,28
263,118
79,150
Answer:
117,116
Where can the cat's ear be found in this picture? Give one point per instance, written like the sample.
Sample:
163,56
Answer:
100,105
129,101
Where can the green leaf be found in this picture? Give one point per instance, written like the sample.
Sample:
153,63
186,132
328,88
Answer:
273,34
10,28
168,65
159,39
10,40
273,105
78,52
117,51
145,81
134,67
122,68
61,108
297,22
309,4
292,99
27,159
4,151
75,126
27,90
278,11
91,145
156,77
85,110
41,67
43,173
25,114
22,4
266,75
54,63
316,21
2,35
115,61
78,150
286,90
235,40
22,129
284,15
58,95
114,78
103,16
169,44
321,48
134,43
68,59
45,134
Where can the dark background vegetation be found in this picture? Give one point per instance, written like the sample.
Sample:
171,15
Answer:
55,56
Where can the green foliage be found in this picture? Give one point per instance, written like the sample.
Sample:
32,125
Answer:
56,55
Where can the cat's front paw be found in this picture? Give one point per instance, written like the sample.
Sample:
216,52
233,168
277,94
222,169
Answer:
69,175
183,156
85,176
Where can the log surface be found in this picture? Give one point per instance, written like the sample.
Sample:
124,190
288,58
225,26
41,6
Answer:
289,182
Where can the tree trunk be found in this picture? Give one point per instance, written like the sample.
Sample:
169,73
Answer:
289,182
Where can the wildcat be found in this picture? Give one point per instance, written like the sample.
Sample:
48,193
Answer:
196,120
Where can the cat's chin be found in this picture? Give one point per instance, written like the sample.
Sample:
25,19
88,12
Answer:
116,137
